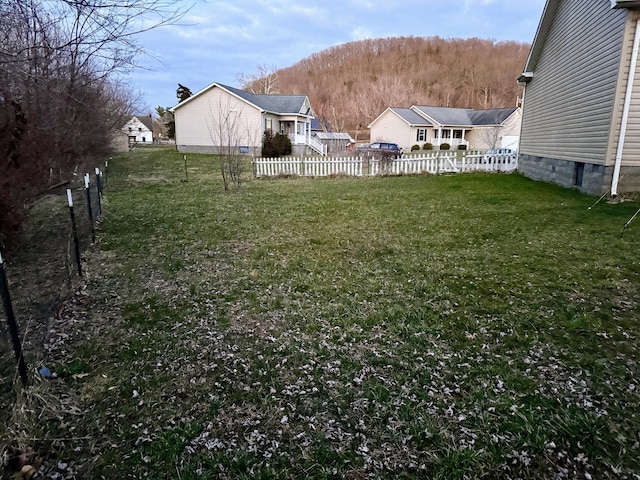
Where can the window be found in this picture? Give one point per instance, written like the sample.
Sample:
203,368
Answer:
268,124
422,135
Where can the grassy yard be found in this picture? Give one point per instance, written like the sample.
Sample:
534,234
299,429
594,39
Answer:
464,326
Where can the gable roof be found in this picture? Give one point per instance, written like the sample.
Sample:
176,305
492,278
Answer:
548,14
411,117
146,120
277,104
464,117
546,20
491,116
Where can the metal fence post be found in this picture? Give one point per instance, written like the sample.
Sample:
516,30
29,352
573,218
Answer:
87,187
99,184
11,320
75,231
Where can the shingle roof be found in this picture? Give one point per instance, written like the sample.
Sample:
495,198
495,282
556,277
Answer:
281,104
147,120
465,117
411,117
278,104
493,116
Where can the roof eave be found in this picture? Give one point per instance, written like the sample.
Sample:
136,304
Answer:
541,34
625,4
525,77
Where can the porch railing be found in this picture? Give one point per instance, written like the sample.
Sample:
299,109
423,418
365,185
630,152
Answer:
311,142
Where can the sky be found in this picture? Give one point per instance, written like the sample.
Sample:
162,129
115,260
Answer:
218,40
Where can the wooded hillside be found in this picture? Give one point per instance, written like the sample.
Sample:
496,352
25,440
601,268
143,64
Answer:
349,85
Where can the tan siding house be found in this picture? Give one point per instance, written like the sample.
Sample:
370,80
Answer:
222,119
576,84
505,133
477,129
402,126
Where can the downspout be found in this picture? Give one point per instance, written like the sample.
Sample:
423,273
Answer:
625,111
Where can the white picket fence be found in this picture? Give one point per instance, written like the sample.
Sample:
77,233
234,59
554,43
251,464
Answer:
433,163
307,166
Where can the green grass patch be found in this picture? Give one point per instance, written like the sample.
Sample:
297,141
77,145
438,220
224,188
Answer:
462,326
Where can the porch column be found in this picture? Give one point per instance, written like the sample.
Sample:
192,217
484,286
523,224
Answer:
439,136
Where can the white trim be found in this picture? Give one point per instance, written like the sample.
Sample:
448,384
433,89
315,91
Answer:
625,112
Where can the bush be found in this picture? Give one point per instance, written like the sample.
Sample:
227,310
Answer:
462,147
427,146
415,147
445,146
276,145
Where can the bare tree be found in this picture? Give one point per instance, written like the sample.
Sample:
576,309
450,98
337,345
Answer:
491,133
264,81
60,91
467,73
232,130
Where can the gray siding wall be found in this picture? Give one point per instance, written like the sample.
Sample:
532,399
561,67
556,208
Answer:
569,103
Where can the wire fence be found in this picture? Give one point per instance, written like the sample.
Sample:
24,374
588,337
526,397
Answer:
42,269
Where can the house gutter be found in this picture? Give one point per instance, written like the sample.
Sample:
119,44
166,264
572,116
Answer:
625,111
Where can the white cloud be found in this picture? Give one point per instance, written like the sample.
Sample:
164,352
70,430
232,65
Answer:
220,38
361,32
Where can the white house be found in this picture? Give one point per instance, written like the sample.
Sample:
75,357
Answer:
581,112
475,129
139,129
220,119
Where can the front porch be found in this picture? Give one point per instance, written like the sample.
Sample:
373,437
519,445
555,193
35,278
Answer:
453,137
300,135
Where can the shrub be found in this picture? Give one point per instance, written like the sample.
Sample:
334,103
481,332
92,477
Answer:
427,146
462,147
415,147
276,145
445,146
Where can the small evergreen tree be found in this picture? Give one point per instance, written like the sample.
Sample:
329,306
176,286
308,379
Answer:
276,145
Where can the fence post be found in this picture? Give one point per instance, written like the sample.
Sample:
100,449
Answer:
87,187
75,231
99,184
11,320
186,173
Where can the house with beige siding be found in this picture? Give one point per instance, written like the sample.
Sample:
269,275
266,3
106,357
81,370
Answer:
474,129
223,119
581,113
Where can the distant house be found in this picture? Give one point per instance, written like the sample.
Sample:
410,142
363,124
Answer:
581,113
139,129
477,129
225,119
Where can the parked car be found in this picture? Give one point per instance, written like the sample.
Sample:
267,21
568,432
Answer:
497,155
381,150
